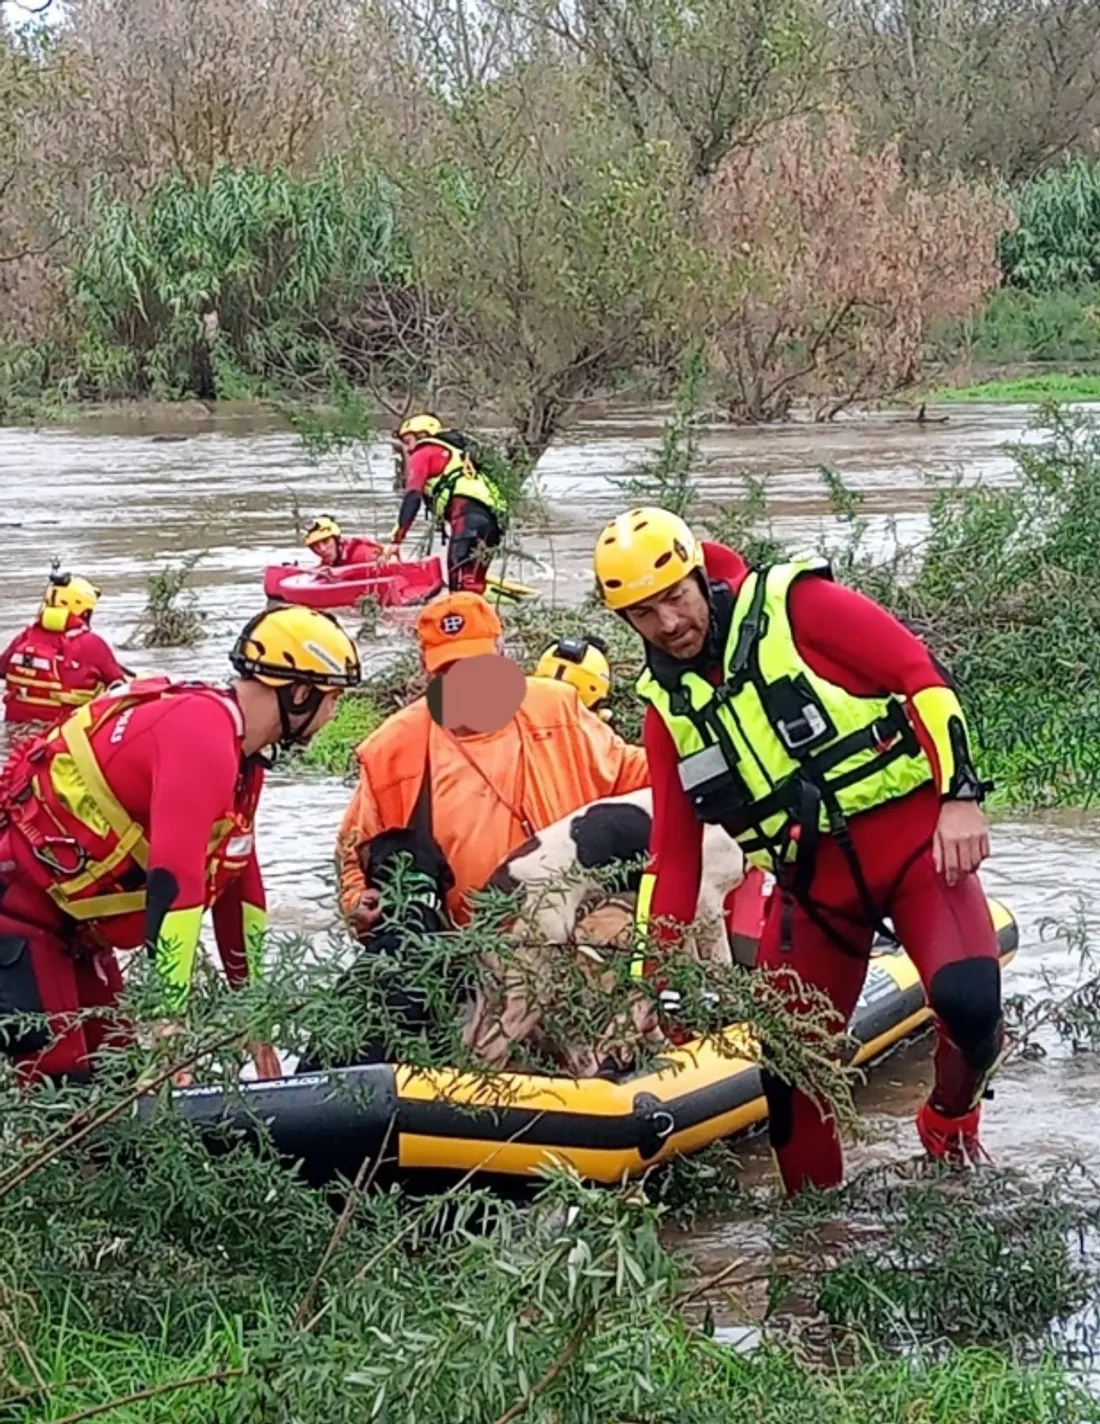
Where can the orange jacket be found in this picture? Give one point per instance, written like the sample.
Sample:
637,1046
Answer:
553,757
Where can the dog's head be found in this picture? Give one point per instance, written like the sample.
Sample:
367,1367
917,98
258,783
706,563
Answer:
409,870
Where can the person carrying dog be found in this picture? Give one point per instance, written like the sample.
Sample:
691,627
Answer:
484,760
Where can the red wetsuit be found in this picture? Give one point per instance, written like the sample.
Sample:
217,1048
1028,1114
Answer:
474,530
355,551
45,661
175,766
853,642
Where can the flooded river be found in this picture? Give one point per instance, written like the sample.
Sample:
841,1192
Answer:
114,499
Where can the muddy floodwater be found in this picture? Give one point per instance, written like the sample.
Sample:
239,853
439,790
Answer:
117,498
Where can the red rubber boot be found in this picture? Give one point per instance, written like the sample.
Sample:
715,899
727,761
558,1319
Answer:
951,1139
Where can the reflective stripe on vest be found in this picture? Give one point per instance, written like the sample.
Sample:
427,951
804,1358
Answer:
458,477
69,789
777,726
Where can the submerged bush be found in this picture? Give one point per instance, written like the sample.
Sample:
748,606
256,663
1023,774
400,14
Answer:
333,748
172,618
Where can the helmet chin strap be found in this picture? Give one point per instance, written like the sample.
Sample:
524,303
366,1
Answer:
306,708
288,707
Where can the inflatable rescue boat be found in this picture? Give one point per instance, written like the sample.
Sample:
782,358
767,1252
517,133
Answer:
394,584
434,1125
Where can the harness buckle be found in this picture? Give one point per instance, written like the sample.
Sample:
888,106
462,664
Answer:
46,850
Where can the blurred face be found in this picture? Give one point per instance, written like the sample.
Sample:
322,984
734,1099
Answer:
409,441
326,551
675,621
479,694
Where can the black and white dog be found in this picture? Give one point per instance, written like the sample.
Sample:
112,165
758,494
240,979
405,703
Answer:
550,869
553,879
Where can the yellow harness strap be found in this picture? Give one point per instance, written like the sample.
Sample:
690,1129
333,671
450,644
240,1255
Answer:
132,843
646,887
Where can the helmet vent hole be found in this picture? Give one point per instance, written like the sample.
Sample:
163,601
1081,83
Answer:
612,583
643,525
663,560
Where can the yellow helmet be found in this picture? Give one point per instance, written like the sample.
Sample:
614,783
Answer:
284,646
583,664
426,425
641,553
67,594
321,529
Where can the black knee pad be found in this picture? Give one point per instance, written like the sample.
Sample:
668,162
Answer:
19,995
780,1096
966,997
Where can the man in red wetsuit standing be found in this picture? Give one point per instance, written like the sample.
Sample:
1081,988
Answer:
326,540
823,735
442,476
58,663
124,822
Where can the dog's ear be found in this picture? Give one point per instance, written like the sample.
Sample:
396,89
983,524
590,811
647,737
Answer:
374,853
426,854
445,875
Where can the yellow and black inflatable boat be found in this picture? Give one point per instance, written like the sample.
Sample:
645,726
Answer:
437,1124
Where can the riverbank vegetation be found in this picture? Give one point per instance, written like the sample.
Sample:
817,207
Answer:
148,1278
513,216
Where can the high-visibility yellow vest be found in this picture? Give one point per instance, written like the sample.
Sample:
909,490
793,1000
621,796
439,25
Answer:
459,477
775,745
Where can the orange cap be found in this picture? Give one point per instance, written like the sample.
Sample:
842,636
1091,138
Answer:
460,625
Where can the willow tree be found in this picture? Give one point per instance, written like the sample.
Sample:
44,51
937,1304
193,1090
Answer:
245,284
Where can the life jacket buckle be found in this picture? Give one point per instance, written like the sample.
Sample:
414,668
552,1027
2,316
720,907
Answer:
802,730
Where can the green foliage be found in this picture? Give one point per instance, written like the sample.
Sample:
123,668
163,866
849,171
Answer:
1018,327
344,422
1007,592
333,748
923,1260
231,286
746,525
172,617
141,1272
1025,390
1057,242
32,382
